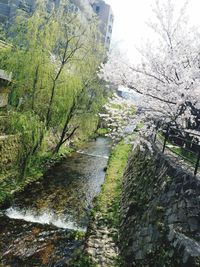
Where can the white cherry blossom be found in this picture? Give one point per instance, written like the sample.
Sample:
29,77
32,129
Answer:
168,78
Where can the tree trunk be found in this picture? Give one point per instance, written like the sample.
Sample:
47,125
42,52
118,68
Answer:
68,118
24,165
34,87
65,128
48,115
57,148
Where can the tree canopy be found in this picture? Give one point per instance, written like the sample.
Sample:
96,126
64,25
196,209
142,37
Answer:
54,57
168,78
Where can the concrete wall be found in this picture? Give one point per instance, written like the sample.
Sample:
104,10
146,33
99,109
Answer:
160,213
4,10
8,8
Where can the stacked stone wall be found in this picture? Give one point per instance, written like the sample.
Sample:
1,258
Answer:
160,213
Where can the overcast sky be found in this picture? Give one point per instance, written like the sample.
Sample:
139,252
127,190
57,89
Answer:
130,29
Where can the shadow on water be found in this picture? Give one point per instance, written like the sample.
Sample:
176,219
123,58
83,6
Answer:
39,229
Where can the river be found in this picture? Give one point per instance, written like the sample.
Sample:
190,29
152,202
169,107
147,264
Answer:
40,228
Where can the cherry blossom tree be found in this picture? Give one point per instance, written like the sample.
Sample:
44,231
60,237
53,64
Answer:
168,77
119,117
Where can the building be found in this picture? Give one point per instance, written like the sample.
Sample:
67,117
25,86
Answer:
4,9
106,18
85,8
8,8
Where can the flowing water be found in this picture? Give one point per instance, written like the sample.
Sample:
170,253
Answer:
40,228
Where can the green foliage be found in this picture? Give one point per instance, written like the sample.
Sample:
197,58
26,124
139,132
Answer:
189,156
29,128
88,123
102,131
139,126
39,73
2,34
53,58
27,124
84,261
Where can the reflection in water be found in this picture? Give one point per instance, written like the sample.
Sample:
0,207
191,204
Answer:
62,199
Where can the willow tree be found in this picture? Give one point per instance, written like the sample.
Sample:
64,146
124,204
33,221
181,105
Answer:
84,66
28,58
54,61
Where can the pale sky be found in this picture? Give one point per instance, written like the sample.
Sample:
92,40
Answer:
130,29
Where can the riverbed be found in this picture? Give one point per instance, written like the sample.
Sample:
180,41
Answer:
40,228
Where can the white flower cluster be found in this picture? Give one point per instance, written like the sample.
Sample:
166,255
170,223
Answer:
119,117
168,78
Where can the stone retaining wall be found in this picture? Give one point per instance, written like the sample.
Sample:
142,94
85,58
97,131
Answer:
9,150
160,213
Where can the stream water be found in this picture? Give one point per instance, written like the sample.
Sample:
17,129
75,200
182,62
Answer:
39,228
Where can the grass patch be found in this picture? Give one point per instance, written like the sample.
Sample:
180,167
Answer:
107,203
84,261
188,156
102,131
191,157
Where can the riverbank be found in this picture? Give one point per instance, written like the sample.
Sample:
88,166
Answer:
40,163
52,214
11,185
101,245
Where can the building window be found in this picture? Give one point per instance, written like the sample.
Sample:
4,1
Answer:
111,18
97,9
108,40
110,29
